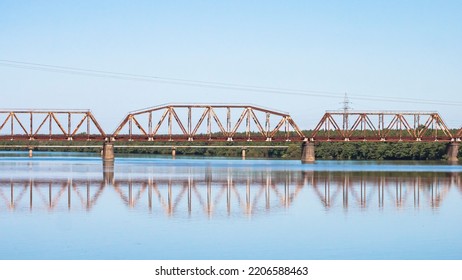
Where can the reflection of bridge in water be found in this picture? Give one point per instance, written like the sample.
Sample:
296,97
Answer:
381,190
231,192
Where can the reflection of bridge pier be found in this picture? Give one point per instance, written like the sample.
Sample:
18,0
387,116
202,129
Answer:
108,172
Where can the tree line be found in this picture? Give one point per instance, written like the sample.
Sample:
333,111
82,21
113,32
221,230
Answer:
323,150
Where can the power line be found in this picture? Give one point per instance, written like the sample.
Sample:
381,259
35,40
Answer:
207,84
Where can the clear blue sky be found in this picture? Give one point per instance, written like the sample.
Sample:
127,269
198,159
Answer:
399,49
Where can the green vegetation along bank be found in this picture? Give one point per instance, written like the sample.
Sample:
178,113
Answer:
324,150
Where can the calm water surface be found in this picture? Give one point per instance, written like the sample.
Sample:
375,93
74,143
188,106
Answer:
65,206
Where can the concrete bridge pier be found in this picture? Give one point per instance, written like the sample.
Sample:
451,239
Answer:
453,150
243,153
308,155
108,151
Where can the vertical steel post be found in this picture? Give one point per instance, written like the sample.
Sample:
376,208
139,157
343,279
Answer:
69,126
50,115
228,123
12,125
88,126
209,123
150,136
248,124
31,126
130,126
170,123
190,124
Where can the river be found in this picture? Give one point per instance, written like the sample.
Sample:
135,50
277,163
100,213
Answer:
72,206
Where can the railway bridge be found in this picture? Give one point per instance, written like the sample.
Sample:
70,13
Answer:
211,123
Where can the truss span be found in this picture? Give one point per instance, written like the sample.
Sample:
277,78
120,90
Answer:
382,126
185,122
45,125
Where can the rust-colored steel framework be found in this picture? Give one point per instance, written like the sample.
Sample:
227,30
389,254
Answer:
459,134
207,123
382,126
232,123
49,125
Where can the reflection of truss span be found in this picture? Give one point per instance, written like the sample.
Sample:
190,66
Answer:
248,196
382,126
207,123
231,194
392,191
171,196
49,125
50,194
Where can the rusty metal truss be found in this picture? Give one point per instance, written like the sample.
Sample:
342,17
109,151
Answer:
207,123
459,134
49,125
381,126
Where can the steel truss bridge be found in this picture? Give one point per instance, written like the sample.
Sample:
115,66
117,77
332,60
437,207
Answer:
383,126
229,194
227,123
232,123
40,125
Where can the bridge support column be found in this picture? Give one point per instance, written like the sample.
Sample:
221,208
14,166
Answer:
173,152
308,152
31,152
453,150
243,153
108,151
